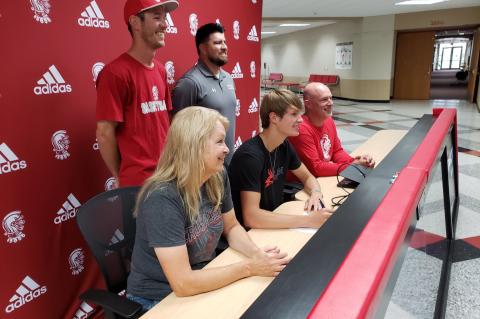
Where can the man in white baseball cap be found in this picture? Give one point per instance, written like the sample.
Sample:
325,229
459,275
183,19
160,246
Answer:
133,98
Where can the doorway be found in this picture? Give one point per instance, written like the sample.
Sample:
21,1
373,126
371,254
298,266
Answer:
437,64
451,62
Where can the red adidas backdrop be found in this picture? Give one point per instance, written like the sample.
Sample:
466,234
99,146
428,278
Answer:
49,160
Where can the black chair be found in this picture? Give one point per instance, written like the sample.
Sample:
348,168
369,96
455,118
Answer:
107,225
290,189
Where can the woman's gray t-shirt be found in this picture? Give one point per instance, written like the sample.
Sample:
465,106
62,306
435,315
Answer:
162,222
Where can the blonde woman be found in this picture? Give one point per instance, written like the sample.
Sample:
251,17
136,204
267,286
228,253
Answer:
182,210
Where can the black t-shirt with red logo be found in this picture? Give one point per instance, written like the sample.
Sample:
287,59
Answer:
255,169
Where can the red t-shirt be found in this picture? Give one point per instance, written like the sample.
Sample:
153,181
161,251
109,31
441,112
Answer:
320,149
138,98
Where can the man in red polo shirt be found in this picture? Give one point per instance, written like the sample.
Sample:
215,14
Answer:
318,145
133,99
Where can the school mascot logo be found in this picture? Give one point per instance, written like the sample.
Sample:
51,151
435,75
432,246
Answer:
61,144
170,68
41,9
76,260
325,144
96,68
13,224
236,30
193,22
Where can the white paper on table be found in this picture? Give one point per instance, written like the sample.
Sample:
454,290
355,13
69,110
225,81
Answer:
305,229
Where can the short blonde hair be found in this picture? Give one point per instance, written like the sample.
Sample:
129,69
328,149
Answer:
182,159
278,102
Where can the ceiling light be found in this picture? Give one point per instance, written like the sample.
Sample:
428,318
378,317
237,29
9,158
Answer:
418,2
268,32
294,24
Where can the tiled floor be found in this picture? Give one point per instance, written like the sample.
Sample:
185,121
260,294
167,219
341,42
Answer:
417,285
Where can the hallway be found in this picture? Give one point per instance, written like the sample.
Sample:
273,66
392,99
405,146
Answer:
445,85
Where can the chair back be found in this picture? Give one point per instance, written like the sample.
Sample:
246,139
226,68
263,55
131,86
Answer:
276,77
107,224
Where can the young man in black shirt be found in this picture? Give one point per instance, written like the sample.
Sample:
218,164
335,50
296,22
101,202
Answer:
259,167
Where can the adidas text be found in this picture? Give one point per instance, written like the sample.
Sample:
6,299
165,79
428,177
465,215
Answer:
93,23
12,167
26,298
173,30
253,35
68,210
52,89
65,216
237,72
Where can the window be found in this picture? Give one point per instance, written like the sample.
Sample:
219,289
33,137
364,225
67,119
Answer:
450,53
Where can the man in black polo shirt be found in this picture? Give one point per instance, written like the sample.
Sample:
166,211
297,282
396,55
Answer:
207,84
258,169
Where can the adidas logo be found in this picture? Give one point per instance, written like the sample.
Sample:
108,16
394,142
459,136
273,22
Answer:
117,237
9,162
237,72
68,210
52,83
83,311
237,144
171,28
92,17
252,35
253,108
26,292
237,108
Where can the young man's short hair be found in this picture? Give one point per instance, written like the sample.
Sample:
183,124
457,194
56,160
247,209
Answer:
278,102
141,15
203,33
